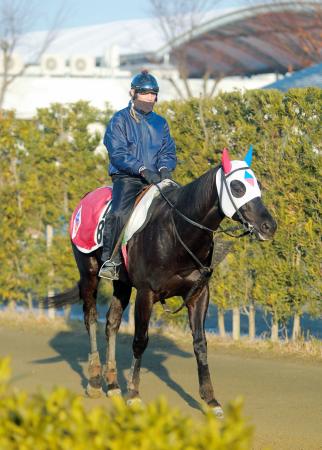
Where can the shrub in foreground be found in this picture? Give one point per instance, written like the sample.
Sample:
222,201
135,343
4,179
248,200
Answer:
59,421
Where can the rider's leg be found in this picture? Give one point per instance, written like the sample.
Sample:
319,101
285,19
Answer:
125,190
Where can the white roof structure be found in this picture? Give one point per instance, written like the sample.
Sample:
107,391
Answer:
136,36
264,38
96,63
130,36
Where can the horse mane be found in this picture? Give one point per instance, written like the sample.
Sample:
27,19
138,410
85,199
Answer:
192,197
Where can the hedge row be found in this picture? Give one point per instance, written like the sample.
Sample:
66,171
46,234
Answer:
59,421
49,162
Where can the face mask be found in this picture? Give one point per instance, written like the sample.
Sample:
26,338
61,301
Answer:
145,107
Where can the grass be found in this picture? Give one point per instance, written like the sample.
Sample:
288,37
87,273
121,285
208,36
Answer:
308,349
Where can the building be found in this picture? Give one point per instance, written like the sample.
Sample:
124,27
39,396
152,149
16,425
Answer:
239,47
310,76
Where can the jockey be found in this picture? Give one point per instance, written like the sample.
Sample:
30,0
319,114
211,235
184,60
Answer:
141,152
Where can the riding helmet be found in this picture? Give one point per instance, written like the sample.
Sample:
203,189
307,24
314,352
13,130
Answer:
144,83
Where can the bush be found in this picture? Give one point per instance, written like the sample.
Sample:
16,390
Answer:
59,421
285,130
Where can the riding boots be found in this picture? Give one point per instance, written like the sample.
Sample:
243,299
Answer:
125,190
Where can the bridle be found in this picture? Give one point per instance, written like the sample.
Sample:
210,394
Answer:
206,271
246,226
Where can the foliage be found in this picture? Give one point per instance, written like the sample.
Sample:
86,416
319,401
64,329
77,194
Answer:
58,420
49,162
161,317
284,275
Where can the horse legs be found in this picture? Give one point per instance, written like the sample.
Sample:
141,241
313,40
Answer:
197,310
88,268
121,297
143,310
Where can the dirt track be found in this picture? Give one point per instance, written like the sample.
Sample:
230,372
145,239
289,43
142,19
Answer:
283,397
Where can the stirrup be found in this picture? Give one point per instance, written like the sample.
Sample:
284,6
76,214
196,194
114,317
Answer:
109,270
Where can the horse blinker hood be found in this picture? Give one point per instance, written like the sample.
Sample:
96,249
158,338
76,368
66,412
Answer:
236,183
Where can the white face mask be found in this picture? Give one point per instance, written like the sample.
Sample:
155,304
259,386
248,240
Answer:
240,181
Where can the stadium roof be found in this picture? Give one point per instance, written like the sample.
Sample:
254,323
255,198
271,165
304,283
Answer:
311,76
271,37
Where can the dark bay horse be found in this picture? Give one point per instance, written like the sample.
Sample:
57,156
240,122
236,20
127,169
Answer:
168,258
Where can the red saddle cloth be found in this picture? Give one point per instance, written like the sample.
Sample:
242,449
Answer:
87,222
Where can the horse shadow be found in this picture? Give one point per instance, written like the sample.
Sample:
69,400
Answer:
72,346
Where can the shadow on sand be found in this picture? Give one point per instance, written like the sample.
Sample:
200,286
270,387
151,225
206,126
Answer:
72,346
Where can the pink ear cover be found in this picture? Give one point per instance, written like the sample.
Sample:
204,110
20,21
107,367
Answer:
226,161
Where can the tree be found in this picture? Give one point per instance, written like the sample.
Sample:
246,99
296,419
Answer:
65,167
17,18
275,36
47,164
11,213
282,276
182,18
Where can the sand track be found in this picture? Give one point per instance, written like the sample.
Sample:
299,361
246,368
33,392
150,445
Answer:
283,396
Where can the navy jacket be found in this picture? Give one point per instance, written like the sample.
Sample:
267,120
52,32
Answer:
131,145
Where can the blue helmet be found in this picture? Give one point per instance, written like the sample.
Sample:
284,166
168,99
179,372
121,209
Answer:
144,82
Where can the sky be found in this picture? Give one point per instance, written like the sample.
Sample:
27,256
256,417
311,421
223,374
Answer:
91,12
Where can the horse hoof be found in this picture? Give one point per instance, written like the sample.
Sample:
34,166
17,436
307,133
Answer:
134,401
93,392
218,412
114,393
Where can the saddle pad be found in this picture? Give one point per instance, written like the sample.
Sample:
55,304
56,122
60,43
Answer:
140,212
87,222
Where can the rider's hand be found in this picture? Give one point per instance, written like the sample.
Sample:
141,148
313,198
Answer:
165,174
150,176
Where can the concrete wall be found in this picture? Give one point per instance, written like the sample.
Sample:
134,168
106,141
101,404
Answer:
28,93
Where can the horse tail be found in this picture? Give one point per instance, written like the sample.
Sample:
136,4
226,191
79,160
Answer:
62,299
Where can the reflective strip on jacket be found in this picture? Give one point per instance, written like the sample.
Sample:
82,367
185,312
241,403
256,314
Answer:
131,145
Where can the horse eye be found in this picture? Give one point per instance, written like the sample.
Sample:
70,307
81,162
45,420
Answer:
237,188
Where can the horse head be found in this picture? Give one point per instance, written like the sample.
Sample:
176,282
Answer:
240,196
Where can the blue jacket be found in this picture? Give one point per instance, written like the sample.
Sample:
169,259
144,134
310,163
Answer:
131,145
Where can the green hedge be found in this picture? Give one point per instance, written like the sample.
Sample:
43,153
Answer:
59,421
49,162
285,129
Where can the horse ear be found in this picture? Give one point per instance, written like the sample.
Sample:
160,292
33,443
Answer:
249,156
225,161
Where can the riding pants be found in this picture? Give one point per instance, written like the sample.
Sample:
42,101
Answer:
125,190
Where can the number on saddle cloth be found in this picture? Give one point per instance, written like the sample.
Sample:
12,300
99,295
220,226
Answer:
87,222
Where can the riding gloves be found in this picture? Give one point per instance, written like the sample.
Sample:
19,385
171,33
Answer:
165,174
150,176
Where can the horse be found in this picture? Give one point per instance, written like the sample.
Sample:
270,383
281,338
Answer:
171,256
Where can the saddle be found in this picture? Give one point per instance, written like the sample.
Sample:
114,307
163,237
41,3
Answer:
88,219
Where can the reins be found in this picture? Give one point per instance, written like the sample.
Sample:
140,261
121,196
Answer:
205,271
245,226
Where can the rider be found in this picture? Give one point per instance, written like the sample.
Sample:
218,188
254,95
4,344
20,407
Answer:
141,152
